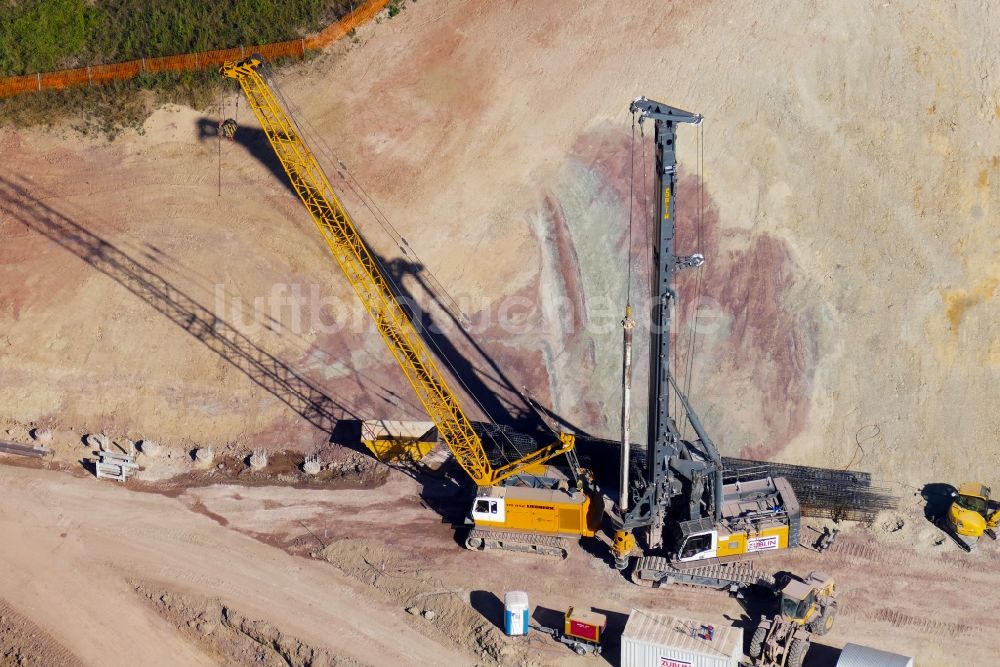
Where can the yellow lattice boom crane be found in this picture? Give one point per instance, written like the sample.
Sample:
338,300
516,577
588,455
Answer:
518,506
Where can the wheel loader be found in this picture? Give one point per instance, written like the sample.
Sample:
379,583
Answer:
971,515
808,607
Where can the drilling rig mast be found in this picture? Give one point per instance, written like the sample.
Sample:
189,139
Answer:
680,499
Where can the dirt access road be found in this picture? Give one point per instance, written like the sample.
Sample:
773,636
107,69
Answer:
73,551
337,570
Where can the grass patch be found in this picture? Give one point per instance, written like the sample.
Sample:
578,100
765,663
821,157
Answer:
44,35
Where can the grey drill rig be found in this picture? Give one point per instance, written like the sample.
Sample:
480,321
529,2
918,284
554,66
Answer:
679,498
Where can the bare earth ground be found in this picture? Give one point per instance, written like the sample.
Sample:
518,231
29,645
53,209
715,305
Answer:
331,573
852,162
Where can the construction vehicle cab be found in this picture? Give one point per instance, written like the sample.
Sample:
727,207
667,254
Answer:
694,542
971,513
808,606
797,601
758,515
809,602
489,508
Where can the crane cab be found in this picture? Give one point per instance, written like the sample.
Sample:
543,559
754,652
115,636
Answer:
489,509
552,511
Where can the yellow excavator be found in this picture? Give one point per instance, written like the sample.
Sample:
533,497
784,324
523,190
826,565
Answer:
520,505
971,515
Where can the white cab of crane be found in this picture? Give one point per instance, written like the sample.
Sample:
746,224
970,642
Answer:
489,508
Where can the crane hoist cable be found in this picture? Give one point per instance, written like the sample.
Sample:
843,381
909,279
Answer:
438,291
700,275
222,116
312,136
631,186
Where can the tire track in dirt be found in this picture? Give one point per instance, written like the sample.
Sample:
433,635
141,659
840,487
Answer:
927,626
890,560
23,642
912,560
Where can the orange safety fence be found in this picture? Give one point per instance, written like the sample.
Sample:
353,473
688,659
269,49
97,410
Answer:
86,76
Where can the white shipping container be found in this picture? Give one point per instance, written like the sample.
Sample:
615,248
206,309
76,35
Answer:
855,655
652,639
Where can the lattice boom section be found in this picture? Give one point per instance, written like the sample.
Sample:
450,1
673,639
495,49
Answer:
371,286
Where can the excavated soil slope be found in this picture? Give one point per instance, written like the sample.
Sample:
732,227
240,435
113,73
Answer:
845,209
851,178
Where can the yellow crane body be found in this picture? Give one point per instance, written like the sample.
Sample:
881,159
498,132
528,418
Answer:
534,510
380,300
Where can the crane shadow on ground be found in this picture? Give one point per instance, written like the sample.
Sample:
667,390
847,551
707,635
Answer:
526,424
263,368
483,379
517,423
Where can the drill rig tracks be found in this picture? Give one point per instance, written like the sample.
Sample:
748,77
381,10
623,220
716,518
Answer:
656,571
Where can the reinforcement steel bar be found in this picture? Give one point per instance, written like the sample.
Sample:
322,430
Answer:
822,492
22,450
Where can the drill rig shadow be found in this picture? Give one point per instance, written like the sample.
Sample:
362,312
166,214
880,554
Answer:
522,420
518,425
486,382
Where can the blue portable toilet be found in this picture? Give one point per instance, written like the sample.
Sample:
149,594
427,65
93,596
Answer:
515,613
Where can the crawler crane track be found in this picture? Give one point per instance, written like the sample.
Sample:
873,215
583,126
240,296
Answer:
488,540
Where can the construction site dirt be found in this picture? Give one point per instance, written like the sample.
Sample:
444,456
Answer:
100,542
168,285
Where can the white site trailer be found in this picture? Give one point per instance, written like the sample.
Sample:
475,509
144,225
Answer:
653,639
